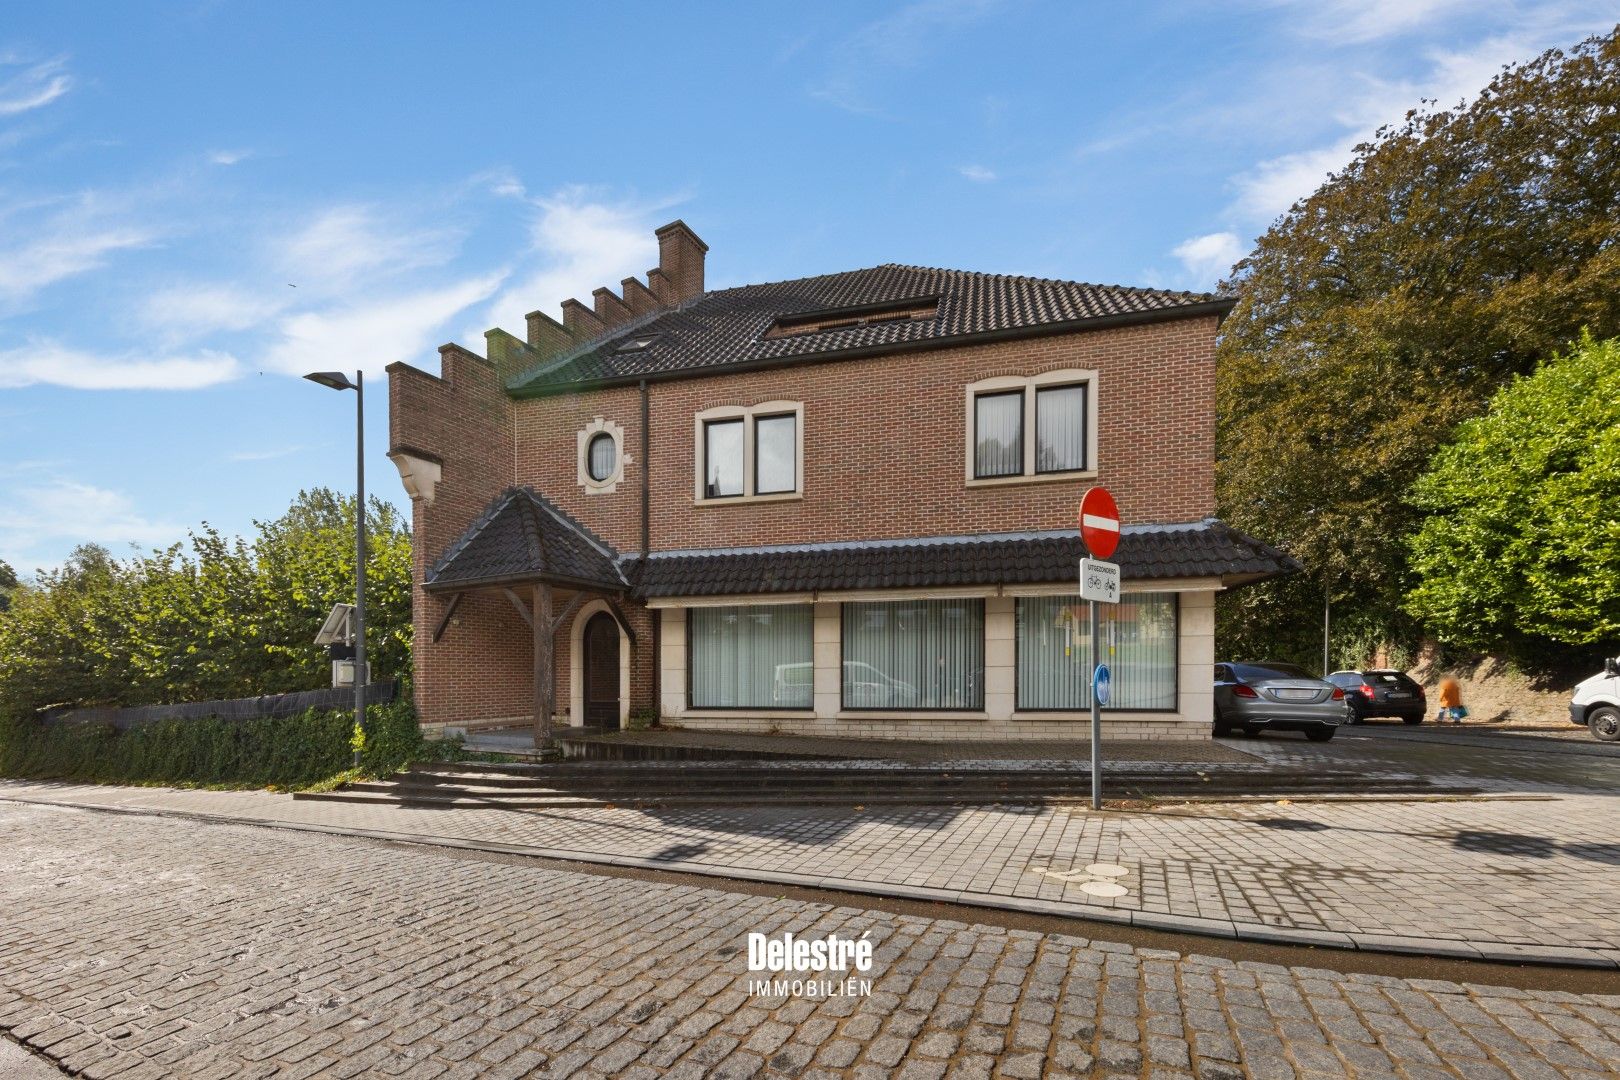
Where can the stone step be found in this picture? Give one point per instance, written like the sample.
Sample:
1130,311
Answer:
895,781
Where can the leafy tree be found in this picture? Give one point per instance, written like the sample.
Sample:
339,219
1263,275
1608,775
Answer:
215,618
1453,252
8,584
1523,540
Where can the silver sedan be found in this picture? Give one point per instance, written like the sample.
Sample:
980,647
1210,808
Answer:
1279,697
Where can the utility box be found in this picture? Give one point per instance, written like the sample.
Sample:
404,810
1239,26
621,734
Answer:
343,674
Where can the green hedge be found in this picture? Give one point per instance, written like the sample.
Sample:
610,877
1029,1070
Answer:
287,752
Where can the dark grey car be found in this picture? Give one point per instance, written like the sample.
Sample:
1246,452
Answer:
1278,697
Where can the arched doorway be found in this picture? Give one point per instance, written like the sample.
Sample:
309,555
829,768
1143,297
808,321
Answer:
601,672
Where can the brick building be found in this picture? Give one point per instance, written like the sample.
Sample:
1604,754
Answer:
841,504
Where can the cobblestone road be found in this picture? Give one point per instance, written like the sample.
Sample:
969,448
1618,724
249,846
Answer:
145,947
1463,878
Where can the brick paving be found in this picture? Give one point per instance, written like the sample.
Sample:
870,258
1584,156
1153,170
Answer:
145,947
1462,878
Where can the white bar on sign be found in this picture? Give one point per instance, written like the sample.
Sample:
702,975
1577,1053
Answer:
1092,521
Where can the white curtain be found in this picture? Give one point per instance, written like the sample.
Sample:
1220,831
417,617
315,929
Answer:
999,434
1060,428
757,656
722,458
776,448
1139,647
602,453
914,654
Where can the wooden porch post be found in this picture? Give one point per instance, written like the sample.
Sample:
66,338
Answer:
545,670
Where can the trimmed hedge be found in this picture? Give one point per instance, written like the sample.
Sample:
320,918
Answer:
287,752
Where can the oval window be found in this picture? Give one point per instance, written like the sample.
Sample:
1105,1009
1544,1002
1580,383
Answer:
601,456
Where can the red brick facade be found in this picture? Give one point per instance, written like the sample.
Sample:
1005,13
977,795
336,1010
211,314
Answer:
883,457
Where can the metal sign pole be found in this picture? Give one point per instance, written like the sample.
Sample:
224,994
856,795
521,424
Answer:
1096,713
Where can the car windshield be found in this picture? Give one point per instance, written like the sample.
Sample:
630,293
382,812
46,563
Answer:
1248,672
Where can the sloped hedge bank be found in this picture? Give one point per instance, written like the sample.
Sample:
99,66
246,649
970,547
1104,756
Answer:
287,752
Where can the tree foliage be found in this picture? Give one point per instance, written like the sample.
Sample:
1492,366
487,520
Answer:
1454,251
216,618
8,584
1523,537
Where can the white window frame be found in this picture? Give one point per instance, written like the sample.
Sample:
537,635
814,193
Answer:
747,414
1028,384
608,486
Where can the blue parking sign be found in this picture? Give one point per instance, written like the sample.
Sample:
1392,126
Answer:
1099,684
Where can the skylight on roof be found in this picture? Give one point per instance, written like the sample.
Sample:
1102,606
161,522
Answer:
636,344
821,322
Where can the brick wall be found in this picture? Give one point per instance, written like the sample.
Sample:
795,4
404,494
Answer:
884,443
464,419
884,458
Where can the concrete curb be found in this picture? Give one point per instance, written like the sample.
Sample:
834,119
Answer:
1497,952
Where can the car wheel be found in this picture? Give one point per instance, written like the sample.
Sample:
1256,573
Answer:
1320,734
1604,723
1222,727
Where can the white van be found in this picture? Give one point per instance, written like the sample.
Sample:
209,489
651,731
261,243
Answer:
1596,704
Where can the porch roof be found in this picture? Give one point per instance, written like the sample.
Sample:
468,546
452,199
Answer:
522,536
1208,548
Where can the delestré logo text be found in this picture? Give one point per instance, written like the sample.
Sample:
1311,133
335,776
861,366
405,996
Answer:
826,961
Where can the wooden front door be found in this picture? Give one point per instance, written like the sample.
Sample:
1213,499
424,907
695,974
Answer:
602,672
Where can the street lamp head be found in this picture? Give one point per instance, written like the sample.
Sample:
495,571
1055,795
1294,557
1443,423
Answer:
334,379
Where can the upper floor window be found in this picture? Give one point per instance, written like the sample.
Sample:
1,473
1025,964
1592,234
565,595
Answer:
601,457
1031,427
750,452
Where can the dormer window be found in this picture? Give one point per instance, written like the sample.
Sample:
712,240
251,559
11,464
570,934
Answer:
821,322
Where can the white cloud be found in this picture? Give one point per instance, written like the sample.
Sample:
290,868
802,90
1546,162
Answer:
265,455
580,244
894,42
67,247
348,245
186,311
1271,187
64,512
48,363
1359,21
228,157
373,335
1365,102
1209,258
36,85
977,173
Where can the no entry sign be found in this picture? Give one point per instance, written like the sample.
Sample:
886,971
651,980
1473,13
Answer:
1099,522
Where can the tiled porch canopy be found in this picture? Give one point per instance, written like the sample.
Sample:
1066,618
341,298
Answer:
522,537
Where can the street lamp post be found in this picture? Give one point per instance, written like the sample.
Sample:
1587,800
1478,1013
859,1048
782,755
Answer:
336,380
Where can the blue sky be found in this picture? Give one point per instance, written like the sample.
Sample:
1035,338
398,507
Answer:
201,201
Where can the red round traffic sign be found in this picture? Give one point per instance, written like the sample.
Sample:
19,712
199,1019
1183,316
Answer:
1099,522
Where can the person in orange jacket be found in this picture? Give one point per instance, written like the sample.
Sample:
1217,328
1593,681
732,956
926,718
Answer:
1450,701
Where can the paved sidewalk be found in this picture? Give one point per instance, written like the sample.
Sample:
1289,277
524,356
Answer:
144,948
1500,879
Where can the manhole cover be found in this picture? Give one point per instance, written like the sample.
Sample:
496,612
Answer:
1106,889
1106,870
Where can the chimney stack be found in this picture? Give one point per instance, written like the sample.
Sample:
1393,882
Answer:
680,259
